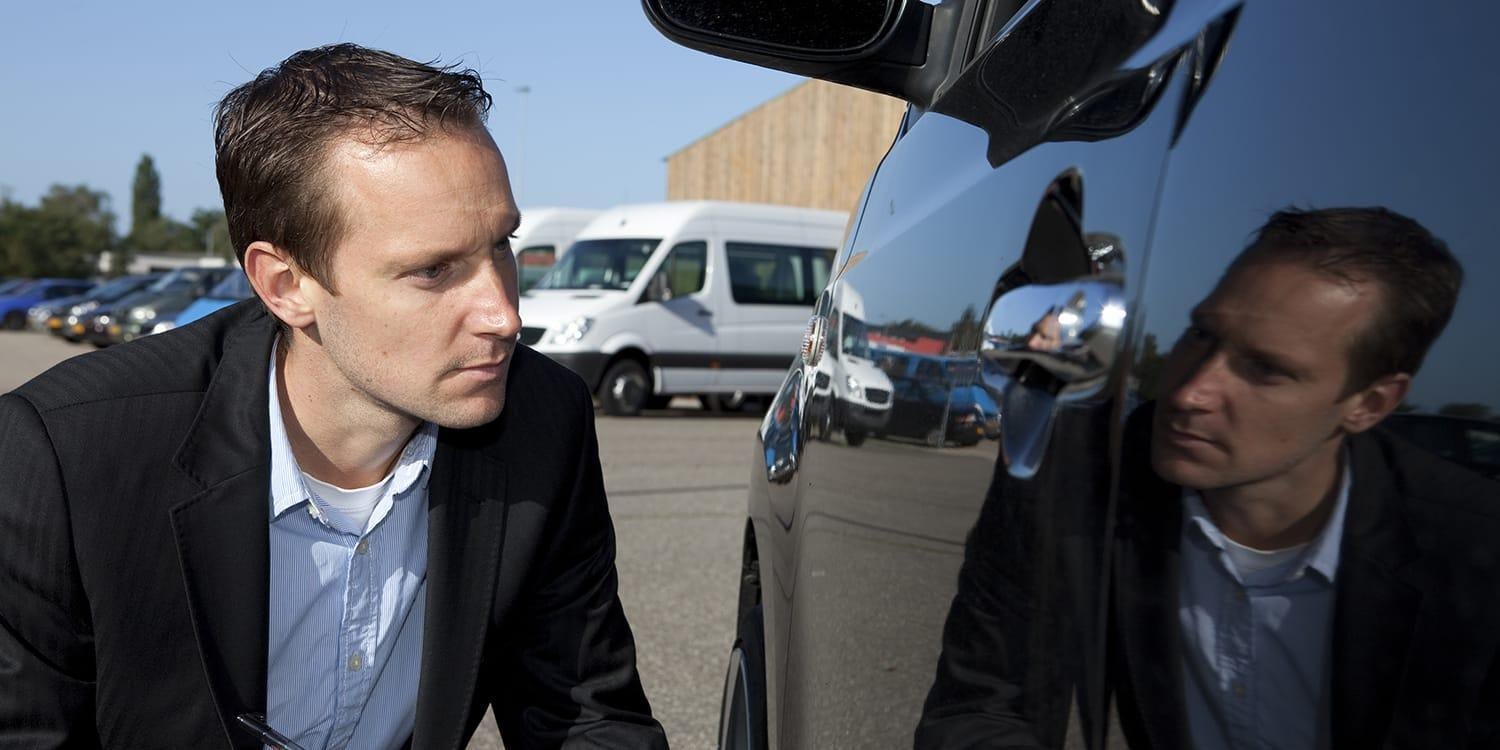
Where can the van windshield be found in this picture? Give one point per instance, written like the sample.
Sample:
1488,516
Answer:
599,264
856,338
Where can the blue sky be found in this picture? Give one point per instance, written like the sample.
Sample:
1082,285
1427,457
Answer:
87,87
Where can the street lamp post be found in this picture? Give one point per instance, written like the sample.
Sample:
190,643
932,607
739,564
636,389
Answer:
522,91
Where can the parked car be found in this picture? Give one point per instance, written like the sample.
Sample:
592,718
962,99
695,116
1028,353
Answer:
1470,441
692,297
1070,179
9,286
234,287
544,236
137,314
13,306
68,317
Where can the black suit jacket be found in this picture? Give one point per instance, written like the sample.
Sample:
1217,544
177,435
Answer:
1415,649
134,488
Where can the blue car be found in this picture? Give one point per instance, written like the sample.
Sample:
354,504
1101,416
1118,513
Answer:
232,289
14,305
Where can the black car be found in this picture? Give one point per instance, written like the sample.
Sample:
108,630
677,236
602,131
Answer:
1080,173
134,315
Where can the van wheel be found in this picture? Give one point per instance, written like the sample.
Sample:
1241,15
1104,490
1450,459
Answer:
742,715
625,389
854,436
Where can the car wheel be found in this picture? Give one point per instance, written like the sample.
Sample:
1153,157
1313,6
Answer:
854,437
625,389
15,321
742,715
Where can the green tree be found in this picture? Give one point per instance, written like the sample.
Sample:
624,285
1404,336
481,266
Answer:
145,194
62,236
212,229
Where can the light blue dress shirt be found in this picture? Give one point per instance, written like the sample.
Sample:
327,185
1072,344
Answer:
1256,645
346,605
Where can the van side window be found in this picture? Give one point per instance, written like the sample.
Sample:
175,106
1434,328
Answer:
763,274
685,268
534,262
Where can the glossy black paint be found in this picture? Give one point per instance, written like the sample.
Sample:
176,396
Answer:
1168,133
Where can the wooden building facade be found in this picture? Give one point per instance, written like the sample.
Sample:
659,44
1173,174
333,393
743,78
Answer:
813,146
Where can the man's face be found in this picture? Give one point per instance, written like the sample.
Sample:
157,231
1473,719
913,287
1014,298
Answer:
1256,385
425,321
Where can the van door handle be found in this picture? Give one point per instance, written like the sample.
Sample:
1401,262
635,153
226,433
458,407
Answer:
1046,344
705,312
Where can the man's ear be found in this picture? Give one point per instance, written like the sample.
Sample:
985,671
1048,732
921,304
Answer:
278,281
1375,401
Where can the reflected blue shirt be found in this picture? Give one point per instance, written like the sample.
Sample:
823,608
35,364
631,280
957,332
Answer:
346,605
1256,645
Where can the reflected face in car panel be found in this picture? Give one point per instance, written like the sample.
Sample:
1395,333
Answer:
1256,386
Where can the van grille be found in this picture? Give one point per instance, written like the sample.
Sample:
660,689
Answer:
877,395
531,334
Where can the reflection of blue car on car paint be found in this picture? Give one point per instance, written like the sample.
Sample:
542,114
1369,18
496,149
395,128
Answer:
931,390
232,289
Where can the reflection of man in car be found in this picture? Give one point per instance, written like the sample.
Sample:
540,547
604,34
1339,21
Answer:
1285,575
355,509
1296,514
1046,333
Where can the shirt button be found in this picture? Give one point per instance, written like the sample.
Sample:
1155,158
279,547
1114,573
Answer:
363,547
356,661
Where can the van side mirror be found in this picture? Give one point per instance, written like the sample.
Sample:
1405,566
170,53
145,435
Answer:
880,45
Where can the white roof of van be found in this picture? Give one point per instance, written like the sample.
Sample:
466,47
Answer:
660,219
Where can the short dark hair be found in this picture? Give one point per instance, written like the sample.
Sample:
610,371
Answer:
272,137
1418,278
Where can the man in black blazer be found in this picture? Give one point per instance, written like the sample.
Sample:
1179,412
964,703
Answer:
140,542
1283,572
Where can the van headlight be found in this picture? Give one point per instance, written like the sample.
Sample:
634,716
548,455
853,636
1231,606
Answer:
853,384
572,332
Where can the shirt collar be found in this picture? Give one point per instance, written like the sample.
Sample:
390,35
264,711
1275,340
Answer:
1322,553
287,488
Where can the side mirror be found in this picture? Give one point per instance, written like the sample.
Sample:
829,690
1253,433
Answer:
880,45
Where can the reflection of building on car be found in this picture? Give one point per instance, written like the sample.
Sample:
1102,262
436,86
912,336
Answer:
849,392
1473,443
938,400
683,298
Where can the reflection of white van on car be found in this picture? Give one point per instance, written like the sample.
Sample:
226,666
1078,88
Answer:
544,235
690,297
850,392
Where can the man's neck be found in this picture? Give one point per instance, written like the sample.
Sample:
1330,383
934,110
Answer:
337,434
1283,512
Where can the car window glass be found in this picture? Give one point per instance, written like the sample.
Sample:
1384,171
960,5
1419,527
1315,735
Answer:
767,274
685,268
534,262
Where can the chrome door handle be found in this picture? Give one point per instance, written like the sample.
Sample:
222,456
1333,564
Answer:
1046,344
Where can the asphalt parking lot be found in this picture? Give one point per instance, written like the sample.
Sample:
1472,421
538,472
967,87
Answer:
676,482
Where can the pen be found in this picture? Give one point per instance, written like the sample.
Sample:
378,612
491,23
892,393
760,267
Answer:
273,739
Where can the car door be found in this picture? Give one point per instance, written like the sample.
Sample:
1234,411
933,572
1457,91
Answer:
771,289
680,326
1026,191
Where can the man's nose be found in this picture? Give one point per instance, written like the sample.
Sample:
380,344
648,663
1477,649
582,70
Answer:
1201,384
497,307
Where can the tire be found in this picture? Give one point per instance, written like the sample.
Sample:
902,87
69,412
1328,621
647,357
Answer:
742,714
15,321
625,388
854,436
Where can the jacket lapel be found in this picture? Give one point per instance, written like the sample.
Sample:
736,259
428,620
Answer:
465,532
1146,575
1376,605
221,531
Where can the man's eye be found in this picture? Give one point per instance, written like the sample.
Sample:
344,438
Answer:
431,273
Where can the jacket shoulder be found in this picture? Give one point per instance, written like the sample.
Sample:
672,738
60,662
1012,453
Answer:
1428,482
178,361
